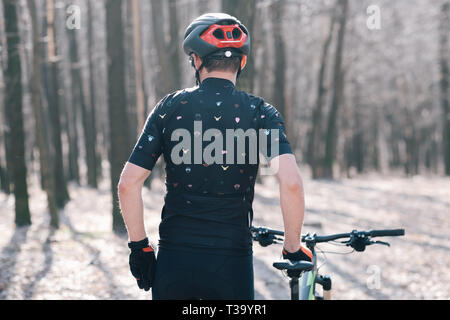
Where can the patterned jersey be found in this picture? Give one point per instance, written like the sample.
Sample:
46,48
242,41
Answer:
211,137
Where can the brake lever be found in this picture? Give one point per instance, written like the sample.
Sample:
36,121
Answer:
381,242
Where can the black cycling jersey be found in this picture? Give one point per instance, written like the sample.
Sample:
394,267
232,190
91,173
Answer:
208,205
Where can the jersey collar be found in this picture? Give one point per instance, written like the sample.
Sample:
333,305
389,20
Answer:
216,83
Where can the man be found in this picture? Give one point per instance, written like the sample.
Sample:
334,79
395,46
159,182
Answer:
205,247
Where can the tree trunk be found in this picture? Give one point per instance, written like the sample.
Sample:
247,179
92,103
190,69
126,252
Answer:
263,55
130,71
92,91
444,57
3,181
315,158
139,66
165,83
62,194
245,11
79,99
4,176
279,95
116,103
14,115
338,79
70,122
172,48
44,152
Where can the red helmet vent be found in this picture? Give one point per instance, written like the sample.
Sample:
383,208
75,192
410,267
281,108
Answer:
228,36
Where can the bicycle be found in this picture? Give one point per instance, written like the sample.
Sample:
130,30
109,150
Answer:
303,274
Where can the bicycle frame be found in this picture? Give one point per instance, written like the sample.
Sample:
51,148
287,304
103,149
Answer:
304,287
307,285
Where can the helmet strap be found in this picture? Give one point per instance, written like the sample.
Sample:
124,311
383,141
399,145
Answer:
197,71
238,73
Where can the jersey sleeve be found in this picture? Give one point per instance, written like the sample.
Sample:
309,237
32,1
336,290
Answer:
150,143
274,132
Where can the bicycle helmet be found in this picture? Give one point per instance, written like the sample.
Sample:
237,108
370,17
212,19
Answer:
217,36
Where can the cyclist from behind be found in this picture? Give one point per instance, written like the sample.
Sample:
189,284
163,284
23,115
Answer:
205,246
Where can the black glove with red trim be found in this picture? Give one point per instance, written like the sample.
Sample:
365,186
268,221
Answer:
303,254
142,263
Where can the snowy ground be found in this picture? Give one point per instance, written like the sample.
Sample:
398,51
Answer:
85,260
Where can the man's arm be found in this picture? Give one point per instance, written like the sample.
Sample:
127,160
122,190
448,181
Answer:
291,198
146,152
130,198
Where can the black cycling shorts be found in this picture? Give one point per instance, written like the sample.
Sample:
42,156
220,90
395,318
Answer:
182,275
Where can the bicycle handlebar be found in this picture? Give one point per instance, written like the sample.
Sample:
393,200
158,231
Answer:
387,233
264,230
325,238
268,236
371,234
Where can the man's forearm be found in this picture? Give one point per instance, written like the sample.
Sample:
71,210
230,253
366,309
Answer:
293,208
132,208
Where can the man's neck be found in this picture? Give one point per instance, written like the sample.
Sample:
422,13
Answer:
219,74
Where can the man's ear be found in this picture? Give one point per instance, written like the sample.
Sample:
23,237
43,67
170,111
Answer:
197,62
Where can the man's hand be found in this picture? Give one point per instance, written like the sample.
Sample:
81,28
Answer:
142,263
303,254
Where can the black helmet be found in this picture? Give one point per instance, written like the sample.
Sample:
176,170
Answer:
213,32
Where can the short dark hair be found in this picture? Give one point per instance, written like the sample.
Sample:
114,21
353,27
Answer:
226,64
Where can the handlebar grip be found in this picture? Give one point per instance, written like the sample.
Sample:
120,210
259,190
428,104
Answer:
387,233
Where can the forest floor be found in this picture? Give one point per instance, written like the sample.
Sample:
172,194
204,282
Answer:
85,260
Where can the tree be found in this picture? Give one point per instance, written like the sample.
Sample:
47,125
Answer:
52,82
279,96
4,176
338,88
168,71
444,56
138,65
116,104
4,184
173,47
315,158
79,99
36,90
92,91
14,115
245,11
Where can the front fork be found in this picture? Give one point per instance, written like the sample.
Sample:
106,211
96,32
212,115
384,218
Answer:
309,281
325,282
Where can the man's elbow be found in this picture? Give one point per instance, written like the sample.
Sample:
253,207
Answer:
125,187
122,187
293,183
